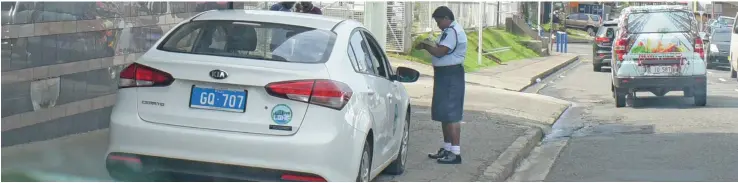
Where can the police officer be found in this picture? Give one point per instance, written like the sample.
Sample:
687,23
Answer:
448,83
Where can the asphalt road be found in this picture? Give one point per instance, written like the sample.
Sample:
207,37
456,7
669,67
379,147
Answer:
661,139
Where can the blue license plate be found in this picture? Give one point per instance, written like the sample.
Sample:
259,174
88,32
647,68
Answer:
218,99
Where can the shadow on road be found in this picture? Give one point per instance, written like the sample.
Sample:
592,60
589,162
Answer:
681,102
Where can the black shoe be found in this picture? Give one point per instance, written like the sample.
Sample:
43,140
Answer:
440,154
450,158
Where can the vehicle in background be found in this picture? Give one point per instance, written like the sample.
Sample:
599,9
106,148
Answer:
213,99
582,21
720,22
658,49
719,49
602,46
733,59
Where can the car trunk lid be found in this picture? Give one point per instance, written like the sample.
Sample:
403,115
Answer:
238,103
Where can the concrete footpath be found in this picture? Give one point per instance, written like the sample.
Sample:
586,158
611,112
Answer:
500,128
513,76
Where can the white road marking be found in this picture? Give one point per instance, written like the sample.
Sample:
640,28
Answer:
709,72
721,79
736,90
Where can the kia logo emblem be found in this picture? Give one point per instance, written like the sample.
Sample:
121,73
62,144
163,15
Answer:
218,74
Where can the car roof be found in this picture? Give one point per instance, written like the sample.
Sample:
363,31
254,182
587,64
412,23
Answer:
280,17
611,23
633,9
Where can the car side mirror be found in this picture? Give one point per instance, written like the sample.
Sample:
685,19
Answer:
407,75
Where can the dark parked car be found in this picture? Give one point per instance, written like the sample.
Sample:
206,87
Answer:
719,48
602,46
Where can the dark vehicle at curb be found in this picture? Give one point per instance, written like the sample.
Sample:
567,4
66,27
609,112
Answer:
602,46
658,49
719,49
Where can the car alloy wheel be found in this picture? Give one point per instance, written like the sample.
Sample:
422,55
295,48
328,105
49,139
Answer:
397,166
364,166
405,140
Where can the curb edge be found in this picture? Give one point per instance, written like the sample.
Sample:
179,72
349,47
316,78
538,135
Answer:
504,166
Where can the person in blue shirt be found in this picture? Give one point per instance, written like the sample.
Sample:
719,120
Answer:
282,6
448,83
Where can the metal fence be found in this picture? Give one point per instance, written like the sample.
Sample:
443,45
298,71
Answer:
405,18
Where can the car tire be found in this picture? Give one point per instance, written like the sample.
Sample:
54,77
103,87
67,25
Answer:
596,67
619,97
688,92
365,164
590,31
659,92
733,72
700,95
398,165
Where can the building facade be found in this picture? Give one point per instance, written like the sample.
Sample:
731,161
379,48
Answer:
60,60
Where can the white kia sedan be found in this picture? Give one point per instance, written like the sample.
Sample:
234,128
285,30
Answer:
261,96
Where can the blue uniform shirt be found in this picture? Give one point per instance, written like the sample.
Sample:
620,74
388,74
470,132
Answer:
452,39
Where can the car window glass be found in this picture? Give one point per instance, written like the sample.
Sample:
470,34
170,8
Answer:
186,42
583,17
574,16
381,58
660,22
7,6
596,18
253,40
361,54
378,66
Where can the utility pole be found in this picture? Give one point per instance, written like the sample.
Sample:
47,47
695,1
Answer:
498,14
479,35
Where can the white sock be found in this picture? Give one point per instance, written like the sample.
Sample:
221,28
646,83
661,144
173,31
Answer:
447,146
456,150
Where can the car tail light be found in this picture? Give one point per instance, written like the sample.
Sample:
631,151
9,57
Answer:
302,178
698,47
327,93
137,75
126,159
620,48
600,40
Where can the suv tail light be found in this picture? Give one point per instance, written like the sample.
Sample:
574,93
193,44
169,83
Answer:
137,75
600,40
327,93
699,47
619,48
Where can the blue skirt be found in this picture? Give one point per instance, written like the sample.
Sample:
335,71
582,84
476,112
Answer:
448,93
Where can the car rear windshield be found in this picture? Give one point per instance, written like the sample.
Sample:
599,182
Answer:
608,32
660,22
254,40
727,21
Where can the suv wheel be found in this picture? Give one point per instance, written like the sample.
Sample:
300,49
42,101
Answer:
733,72
619,95
596,66
700,94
